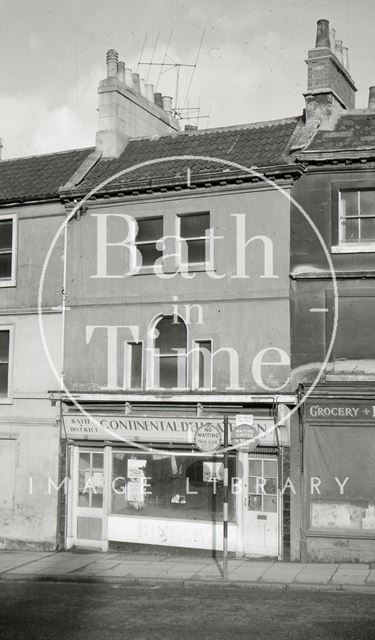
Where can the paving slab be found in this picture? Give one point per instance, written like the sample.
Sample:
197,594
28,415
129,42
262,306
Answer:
58,563
250,572
121,569
11,560
316,573
351,574
282,572
371,577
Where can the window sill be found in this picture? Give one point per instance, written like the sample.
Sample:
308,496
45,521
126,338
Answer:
193,268
354,248
7,283
6,400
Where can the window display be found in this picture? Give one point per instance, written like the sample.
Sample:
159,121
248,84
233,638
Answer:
170,486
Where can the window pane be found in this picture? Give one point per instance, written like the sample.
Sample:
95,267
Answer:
149,254
172,334
97,460
252,484
270,486
195,225
84,460
349,203
350,230
196,251
270,468
6,227
5,265
367,229
96,500
255,467
367,203
168,372
270,504
255,503
3,379
149,229
136,366
204,364
4,346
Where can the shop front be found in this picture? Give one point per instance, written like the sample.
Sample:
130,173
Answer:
338,465
140,479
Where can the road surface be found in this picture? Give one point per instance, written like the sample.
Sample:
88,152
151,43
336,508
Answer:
66,611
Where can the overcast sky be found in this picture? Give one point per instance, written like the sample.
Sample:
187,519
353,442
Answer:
251,65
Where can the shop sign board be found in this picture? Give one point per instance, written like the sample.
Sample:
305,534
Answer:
207,438
129,428
340,411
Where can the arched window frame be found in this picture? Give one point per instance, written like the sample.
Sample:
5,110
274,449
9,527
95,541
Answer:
152,358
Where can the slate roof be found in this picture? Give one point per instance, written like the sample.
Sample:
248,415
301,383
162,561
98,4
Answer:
354,132
37,177
261,145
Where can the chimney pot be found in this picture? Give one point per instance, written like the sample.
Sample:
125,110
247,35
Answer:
345,57
158,99
136,82
150,92
121,72
371,99
167,103
332,39
142,87
338,51
112,60
128,78
322,34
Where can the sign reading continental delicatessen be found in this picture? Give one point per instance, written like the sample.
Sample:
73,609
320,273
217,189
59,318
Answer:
159,429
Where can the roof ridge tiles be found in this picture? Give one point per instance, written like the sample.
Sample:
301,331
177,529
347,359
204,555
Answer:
238,127
46,155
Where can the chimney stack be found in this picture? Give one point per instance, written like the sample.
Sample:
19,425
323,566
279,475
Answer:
330,88
129,109
371,99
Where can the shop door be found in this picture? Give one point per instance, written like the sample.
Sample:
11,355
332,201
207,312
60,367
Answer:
261,506
88,498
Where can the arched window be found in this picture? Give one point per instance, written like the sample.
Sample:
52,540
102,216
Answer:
170,353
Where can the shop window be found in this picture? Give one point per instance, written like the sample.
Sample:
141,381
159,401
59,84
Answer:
133,360
202,364
170,353
340,478
5,334
170,486
356,209
7,250
150,231
193,229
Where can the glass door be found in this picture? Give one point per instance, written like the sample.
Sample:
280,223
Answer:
88,499
261,517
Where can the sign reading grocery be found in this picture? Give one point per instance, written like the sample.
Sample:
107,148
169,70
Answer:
157,429
341,410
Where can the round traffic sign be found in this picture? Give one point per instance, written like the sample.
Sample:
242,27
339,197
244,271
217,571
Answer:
207,437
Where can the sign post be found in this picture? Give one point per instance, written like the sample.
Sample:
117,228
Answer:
225,500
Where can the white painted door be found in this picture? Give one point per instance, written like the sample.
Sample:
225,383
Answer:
88,499
261,506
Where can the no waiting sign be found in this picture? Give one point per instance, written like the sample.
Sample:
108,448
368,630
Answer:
208,437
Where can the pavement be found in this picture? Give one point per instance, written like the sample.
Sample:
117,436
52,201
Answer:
153,568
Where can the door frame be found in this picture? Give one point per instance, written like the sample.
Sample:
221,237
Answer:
244,458
73,509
